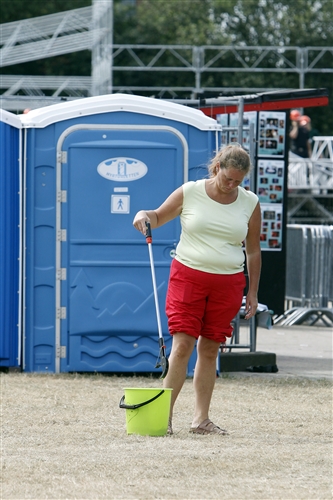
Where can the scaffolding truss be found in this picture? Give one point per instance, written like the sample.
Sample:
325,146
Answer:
223,59
310,184
90,28
46,36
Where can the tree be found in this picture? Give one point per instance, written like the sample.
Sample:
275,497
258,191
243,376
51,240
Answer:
267,22
187,22
281,23
301,23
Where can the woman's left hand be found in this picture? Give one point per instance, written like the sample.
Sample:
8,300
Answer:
251,305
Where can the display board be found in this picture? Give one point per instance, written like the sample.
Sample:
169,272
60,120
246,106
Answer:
269,182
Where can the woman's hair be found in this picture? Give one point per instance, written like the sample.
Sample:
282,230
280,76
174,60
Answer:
231,156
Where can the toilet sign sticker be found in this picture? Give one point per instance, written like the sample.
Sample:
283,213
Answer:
120,204
122,169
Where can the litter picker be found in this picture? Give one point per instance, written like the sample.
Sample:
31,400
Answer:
162,359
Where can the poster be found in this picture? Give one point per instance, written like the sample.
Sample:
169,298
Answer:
270,179
272,133
271,227
231,136
223,120
248,117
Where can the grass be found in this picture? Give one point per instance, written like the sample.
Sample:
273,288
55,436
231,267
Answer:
64,437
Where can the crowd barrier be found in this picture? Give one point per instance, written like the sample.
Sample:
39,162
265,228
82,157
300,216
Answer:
309,284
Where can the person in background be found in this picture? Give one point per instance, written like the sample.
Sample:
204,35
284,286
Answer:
306,122
300,134
207,281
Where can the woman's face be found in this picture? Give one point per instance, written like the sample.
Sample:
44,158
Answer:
228,179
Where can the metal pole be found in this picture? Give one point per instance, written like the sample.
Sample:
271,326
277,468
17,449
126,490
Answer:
240,120
302,61
101,60
111,48
253,334
252,142
197,57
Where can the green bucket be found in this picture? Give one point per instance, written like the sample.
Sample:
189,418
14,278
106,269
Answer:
147,411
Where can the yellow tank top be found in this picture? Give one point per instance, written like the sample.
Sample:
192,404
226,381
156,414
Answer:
212,234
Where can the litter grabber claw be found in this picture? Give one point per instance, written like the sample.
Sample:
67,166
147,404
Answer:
162,360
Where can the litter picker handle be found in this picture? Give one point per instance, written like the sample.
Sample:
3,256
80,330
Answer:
149,241
149,238
163,359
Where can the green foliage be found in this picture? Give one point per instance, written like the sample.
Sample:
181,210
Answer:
221,22
301,23
187,22
283,23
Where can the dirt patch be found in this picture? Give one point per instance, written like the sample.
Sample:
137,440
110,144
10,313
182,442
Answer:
64,437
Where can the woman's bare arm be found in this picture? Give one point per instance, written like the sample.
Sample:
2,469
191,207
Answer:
253,261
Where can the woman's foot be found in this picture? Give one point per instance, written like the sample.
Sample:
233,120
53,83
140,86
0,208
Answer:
208,427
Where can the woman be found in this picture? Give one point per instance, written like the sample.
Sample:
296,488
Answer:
207,279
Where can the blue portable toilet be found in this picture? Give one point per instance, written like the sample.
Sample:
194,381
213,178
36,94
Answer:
10,240
91,164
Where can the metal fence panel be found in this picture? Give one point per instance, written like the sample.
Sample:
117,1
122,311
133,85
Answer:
296,263
309,265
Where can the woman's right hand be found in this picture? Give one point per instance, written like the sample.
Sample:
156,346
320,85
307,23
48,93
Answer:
139,221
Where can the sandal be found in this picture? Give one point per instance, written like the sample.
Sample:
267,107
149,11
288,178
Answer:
207,427
170,431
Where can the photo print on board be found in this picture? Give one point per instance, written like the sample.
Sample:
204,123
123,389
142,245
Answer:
272,133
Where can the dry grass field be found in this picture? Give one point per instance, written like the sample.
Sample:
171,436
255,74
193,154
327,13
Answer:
64,437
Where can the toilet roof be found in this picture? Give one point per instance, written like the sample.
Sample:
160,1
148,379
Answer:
42,117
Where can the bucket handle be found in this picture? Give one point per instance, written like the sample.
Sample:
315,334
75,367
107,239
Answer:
138,405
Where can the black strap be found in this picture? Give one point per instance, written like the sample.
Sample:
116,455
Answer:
138,405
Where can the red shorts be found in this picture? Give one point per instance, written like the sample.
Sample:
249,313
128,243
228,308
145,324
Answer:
200,303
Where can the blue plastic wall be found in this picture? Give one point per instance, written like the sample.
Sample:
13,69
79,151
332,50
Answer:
9,245
108,321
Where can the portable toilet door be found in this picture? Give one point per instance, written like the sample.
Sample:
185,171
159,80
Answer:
91,165
10,240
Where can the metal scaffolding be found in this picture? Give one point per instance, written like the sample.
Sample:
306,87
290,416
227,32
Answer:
310,185
46,36
101,50
91,28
